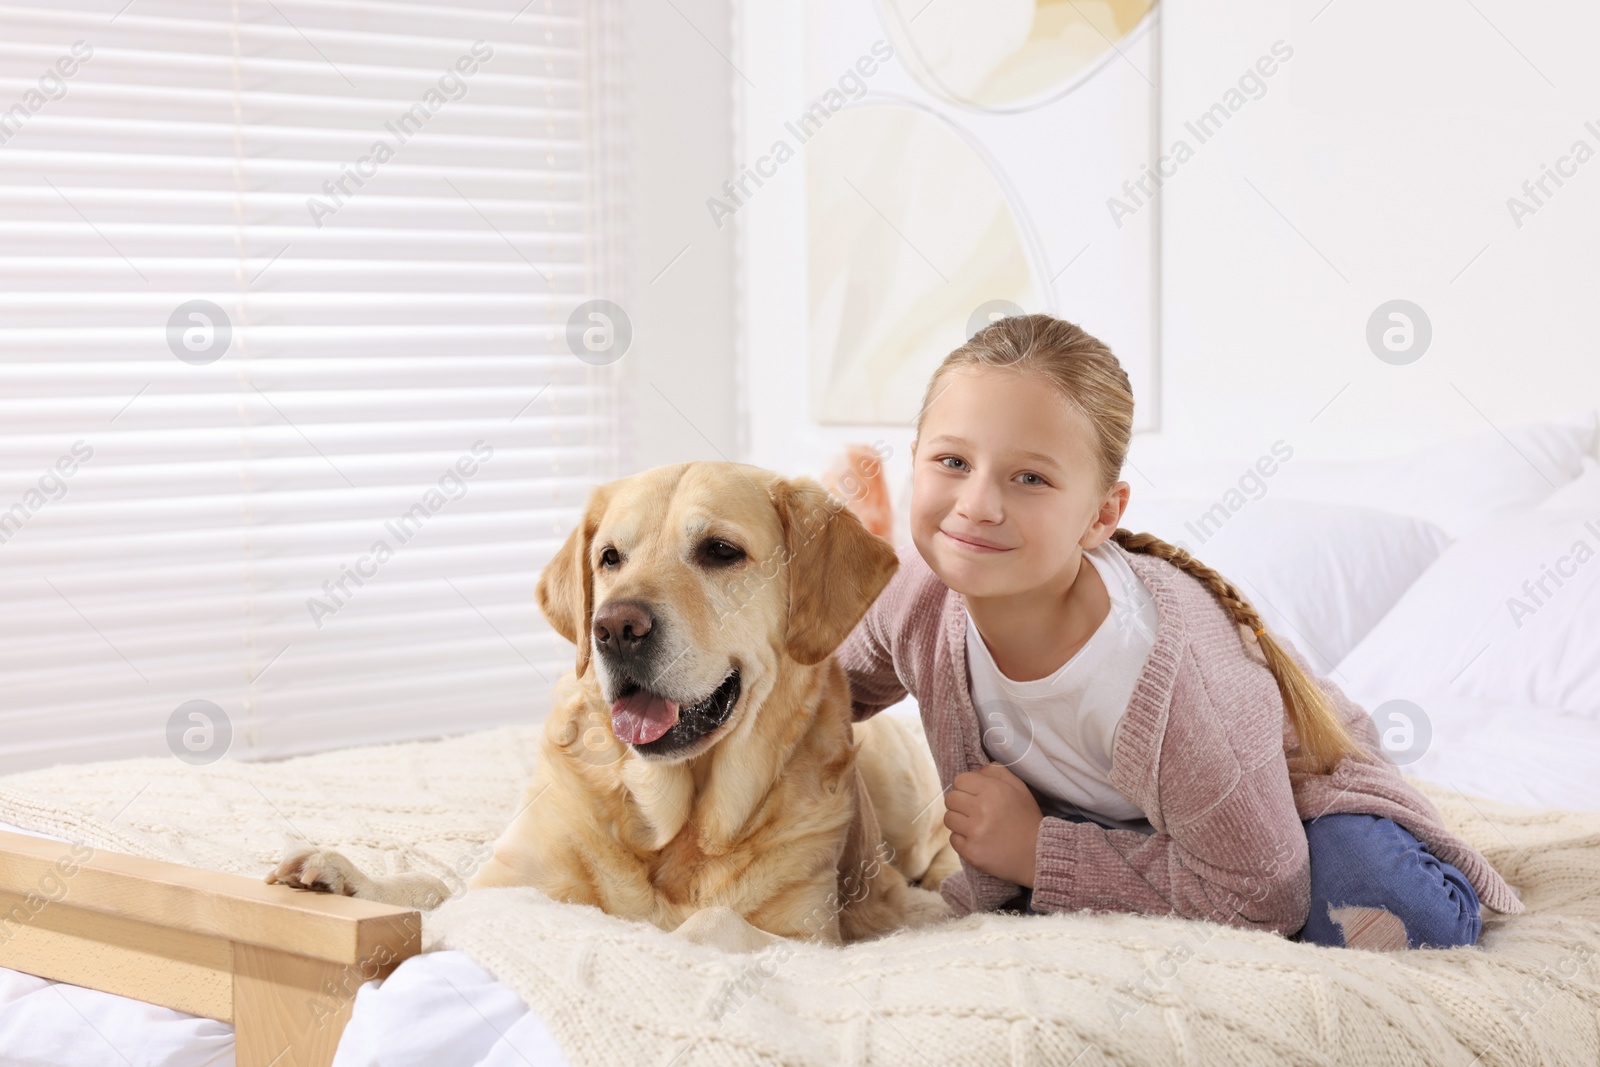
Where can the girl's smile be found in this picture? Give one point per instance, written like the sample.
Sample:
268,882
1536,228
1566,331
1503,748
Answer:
976,544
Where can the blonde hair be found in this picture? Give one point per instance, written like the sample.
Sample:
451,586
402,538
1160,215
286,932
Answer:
1089,378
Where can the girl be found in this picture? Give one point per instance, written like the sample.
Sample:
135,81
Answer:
1114,727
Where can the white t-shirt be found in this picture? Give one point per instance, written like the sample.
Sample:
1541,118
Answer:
1056,733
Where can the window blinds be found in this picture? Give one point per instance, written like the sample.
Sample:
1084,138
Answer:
289,420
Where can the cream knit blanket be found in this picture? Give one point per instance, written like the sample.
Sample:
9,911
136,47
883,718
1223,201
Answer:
1069,988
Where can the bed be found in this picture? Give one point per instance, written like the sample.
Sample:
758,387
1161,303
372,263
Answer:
1392,576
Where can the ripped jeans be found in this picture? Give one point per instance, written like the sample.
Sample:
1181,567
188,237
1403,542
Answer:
1373,886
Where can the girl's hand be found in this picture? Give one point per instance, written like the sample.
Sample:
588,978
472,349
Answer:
994,822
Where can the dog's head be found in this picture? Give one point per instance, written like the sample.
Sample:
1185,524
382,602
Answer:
683,584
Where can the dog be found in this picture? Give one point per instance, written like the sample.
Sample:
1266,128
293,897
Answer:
701,753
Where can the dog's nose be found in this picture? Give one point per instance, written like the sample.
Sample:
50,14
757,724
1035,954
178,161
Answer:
622,626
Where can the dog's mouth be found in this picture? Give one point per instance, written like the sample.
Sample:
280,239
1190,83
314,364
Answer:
656,725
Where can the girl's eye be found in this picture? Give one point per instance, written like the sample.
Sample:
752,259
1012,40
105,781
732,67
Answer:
956,458
1041,481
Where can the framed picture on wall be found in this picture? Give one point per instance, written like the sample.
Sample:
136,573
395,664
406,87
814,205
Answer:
964,161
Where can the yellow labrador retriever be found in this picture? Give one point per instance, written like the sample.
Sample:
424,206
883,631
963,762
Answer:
702,753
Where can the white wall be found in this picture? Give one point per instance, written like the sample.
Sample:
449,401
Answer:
1383,150
771,234
678,378
1390,141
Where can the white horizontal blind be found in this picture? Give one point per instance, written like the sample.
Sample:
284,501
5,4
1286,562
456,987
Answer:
396,206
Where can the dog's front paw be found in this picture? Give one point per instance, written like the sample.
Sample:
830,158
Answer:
321,870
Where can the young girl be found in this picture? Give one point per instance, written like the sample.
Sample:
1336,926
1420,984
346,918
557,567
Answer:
1114,727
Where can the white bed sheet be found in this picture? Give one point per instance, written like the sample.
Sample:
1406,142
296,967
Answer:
53,1024
1519,753
440,1009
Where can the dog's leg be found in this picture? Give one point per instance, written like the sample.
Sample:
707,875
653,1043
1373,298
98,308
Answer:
326,871
871,888
901,778
945,863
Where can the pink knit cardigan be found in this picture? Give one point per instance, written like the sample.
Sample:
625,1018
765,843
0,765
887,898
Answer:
1205,749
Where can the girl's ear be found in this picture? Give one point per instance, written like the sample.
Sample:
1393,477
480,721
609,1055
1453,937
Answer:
1120,493
1107,519
837,568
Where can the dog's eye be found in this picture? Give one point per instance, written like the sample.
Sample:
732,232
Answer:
609,558
720,552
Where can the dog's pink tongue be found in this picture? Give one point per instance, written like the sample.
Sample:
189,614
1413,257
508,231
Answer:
641,717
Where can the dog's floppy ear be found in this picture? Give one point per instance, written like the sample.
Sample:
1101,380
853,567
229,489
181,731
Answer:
566,585
837,568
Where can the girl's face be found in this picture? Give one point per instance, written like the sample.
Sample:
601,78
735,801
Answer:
1003,460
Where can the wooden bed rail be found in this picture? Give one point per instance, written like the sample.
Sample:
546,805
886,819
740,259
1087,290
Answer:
282,965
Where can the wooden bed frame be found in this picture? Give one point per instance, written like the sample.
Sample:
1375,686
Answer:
282,965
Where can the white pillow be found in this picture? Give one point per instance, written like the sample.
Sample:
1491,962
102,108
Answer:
1520,753
1580,494
1321,574
1457,485
1477,624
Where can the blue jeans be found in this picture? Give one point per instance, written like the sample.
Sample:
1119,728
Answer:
1372,883
1361,863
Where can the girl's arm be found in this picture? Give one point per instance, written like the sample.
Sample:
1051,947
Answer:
1263,884
1236,855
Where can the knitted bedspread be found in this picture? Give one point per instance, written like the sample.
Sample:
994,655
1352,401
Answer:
1071,988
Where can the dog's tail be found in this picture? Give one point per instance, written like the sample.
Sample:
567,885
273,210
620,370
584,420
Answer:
856,477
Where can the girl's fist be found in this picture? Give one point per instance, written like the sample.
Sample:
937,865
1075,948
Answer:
994,822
